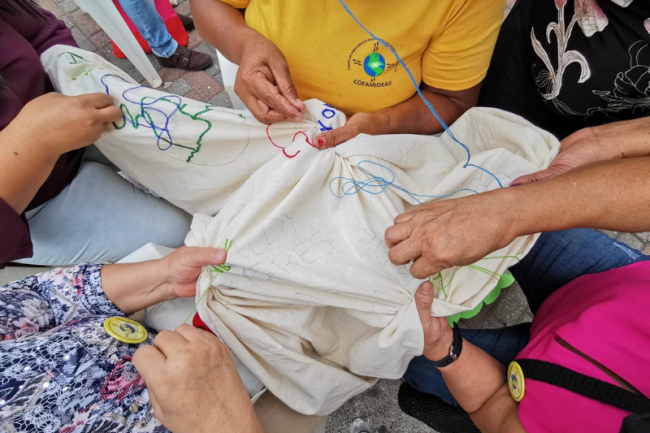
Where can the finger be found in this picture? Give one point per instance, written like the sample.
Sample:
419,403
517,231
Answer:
109,114
96,100
168,343
397,233
406,216
335,136
190,333
422,267
149,362
201,256
285,85
264,113
404,252
423,301
194,335
269,94
273,115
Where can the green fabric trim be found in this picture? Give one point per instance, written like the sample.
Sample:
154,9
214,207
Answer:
506,280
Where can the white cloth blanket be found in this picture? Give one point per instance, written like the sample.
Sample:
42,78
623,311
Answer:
309,301
193,154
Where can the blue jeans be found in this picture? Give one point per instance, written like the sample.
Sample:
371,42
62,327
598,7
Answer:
100,217
144,15
556,259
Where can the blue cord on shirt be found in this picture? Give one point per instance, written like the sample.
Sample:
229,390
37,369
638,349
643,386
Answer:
417,88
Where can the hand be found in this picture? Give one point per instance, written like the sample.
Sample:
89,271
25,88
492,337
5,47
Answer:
438,336
591,145
359,123
193,384
136,286
183,267
64,123
264,83
437,236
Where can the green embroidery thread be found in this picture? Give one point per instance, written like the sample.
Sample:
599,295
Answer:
492,274
216,270
74,57
135,122
220,269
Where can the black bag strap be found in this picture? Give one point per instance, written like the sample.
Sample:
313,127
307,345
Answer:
583,385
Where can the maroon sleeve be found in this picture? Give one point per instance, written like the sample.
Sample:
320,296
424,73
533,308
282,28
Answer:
15,242
42,32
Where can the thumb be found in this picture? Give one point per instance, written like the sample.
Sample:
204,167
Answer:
95,100
423,301
335,137
198,256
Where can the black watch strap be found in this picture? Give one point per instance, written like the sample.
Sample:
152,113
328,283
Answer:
454,350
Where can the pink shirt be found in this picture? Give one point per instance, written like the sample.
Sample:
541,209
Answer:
606,316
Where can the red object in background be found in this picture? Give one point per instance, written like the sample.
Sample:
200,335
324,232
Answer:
168,15
198,323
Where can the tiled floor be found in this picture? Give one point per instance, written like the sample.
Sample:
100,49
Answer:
379,404
205,86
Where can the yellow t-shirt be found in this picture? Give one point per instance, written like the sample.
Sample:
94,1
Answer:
445,43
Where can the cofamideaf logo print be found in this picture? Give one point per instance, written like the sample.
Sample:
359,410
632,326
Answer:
368,64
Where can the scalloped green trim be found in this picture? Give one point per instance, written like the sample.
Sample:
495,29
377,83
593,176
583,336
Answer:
506,280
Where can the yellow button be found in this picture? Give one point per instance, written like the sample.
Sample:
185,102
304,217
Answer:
125,330
516,383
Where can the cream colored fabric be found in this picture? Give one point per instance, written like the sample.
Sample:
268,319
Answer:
195,155
310,302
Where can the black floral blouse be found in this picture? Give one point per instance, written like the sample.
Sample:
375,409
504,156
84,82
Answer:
568,64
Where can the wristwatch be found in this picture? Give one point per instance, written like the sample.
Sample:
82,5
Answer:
454,350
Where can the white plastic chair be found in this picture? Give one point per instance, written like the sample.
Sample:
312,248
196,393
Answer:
109,19
229,73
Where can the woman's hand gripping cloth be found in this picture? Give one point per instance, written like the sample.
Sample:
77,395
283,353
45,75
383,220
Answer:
190,153
309,301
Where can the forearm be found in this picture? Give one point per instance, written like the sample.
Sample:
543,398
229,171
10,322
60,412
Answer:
414,117
24,168
135,286
474,377
499,414
478,383
611,195
223,27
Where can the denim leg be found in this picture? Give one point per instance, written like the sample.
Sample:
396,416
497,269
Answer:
101,218
560,257
503,344
144,15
